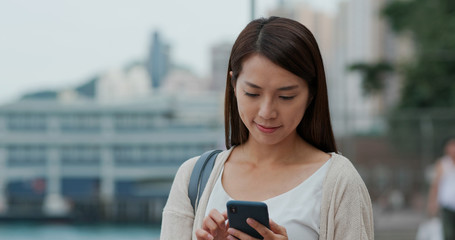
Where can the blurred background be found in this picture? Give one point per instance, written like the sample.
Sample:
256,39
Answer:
101,101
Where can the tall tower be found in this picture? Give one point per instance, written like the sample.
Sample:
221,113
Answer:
158,63
220,60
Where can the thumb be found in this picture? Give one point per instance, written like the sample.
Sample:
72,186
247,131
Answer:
277,228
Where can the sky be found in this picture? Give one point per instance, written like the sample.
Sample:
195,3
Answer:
55,44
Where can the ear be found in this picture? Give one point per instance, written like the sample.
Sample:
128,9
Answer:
232,83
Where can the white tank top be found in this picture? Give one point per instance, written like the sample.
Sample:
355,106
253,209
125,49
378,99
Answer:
446,193
298,210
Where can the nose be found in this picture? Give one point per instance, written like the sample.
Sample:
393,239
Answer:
267,109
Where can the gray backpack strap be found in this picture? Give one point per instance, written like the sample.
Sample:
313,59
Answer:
200,176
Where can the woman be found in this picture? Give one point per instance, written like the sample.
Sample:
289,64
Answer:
281,148
442,192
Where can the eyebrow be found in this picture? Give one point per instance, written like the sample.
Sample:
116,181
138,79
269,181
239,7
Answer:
287,88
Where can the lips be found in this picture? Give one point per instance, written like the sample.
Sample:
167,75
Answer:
265,129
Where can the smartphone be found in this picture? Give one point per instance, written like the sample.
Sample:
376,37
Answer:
239,211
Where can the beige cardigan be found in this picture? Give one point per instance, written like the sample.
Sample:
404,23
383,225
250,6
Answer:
346,211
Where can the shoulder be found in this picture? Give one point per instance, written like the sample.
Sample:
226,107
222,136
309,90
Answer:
342,177
342,168
178,211
183,175
188,165
445,161
345,196
185,170
179,189
442,165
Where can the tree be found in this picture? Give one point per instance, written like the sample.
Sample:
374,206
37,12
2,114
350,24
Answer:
429,78
424,114
372,75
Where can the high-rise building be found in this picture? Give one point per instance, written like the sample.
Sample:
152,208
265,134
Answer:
159,62
219,60
352,111
362,35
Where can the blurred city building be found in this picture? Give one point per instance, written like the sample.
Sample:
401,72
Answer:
220,54
100,160
356,32
362,35
159,60
123,84
109,148
184,80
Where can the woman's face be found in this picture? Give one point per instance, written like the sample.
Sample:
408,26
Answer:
271,100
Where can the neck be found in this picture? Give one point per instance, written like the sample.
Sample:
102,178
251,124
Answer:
285,152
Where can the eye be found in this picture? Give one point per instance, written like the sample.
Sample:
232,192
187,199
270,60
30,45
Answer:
287,97
251,94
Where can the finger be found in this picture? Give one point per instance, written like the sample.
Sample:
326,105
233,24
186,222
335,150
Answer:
219,219
209,225
226,218
261,229
277,228
203,235
238,234
230,237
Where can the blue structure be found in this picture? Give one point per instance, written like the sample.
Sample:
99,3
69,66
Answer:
158,64
58,157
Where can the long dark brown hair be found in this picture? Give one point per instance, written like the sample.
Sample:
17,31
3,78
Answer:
290,45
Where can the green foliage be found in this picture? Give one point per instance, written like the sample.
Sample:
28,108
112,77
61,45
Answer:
429,78
426,111
372,75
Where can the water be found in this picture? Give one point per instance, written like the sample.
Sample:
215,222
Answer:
18,231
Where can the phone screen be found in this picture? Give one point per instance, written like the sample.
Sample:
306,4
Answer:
239,211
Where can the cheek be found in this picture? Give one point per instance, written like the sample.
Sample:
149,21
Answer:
241,107
246,112
298,112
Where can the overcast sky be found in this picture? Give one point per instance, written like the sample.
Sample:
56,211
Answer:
51,44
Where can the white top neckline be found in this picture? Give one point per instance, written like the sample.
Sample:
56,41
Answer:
300,185
298,209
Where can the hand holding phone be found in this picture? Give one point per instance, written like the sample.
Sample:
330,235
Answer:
239,211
